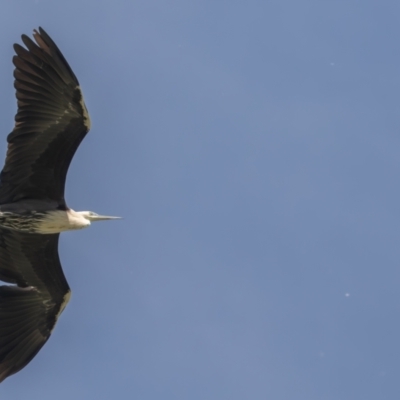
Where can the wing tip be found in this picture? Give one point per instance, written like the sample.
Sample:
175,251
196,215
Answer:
27,322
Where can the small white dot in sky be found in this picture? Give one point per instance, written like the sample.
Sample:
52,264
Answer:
347,295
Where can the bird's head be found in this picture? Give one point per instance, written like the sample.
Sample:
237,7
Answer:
91,216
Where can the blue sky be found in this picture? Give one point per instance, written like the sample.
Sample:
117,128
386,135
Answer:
253,151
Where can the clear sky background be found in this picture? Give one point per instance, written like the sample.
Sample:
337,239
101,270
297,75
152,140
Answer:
252,148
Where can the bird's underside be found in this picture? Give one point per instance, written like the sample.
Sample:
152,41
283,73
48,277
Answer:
50,123
40,219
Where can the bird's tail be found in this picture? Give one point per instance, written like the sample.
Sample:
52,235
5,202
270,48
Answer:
23,331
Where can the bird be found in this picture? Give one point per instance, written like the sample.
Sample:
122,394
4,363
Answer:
50,123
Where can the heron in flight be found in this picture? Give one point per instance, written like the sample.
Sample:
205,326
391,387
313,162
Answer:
50,123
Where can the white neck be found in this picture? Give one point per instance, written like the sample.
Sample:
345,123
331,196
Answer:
59,221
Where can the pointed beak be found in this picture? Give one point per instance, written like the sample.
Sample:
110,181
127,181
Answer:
102,218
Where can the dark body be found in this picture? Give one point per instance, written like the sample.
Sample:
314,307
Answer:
27,215
50,124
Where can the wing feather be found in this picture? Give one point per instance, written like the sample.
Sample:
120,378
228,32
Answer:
29,311
50,123
26,324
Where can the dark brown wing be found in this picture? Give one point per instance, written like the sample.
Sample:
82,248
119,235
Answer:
51,122
29,311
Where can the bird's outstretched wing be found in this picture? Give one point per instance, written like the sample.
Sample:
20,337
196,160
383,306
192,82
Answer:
50,123
30,308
